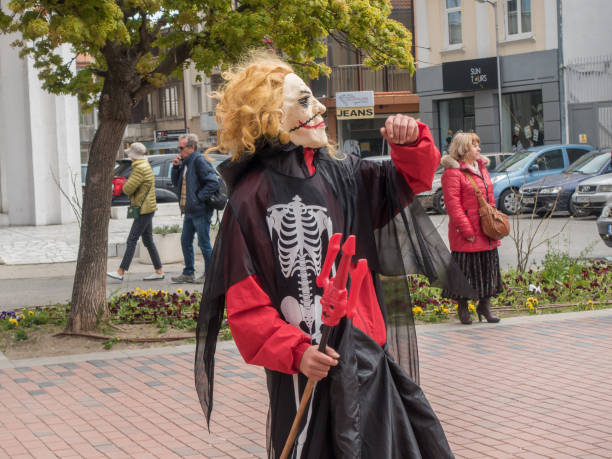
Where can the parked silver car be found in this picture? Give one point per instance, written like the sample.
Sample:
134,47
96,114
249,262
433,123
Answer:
593,194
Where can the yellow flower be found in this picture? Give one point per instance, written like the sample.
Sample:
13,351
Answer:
530,306
471,307
13,321
446,310
417,310
22,316
456,307
30,313
179,290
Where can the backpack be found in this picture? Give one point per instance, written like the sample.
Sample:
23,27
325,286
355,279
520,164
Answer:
218,199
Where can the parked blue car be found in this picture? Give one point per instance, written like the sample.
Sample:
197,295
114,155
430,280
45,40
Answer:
529,166
554,193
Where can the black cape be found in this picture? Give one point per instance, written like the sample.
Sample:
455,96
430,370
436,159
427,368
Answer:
370,405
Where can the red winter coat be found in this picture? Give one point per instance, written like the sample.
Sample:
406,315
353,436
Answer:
462,205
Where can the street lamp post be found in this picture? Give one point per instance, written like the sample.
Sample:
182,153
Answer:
499,75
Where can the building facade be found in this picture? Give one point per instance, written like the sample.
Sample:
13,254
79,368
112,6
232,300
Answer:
457,44
39,152
385,92
180,106
586,50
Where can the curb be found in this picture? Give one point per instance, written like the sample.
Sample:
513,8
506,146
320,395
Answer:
110,355
428,329
4,362
511,321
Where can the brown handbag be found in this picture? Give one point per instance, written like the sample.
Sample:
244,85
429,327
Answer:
494,223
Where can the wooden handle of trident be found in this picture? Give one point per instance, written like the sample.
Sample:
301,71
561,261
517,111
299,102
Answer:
334,304
295,427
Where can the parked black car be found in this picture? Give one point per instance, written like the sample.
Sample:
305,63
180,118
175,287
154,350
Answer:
554,193
161,165
604,224
162,168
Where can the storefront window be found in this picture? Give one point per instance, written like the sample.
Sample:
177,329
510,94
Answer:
362,136
523,121
455,115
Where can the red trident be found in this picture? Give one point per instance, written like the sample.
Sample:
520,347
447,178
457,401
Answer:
335,306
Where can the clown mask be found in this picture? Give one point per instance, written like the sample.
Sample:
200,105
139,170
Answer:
302,114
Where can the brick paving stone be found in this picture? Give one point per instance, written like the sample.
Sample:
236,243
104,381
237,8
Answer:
500,392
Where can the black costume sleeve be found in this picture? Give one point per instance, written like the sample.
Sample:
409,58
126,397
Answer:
232,263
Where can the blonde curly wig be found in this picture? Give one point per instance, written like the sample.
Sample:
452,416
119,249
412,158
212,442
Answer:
250,104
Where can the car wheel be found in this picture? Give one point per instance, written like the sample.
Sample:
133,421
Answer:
438,202
509,202
575,212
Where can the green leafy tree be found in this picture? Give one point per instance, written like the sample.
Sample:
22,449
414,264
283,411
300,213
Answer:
135,45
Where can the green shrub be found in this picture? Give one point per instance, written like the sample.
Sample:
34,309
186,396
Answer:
167,229
20,334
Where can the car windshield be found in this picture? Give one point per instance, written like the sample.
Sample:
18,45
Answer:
591,163
123,168
516,162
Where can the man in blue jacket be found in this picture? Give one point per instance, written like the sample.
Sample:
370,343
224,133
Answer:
195,180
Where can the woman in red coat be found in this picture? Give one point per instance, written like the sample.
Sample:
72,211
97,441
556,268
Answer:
475,252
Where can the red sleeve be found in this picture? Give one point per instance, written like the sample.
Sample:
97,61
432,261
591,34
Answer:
261,335
368,317
418,161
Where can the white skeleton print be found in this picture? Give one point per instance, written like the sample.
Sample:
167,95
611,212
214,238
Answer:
300,229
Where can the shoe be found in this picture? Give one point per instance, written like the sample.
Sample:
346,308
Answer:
183,279
199,280
114,275
484,309
154,276
463,312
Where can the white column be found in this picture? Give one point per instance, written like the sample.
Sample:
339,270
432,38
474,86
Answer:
39,135
484,44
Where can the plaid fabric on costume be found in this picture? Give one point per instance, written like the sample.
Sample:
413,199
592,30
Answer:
183,192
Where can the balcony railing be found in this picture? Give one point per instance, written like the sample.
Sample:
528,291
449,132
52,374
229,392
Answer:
139,131
358,77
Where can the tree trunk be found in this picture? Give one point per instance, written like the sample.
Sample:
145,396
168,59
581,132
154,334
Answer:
89,288
122,89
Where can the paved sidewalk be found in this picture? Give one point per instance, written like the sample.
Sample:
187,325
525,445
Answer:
530,387
26,245
22,245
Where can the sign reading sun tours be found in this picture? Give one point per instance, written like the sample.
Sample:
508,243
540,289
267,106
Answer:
467,75
354,105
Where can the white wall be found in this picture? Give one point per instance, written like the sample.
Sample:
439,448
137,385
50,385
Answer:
40,138
587,28
421,33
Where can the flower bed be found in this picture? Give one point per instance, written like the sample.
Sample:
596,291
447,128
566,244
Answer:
561,285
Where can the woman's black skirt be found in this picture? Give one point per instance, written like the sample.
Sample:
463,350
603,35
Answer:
481,270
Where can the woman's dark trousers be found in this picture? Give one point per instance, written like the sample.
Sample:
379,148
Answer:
142,226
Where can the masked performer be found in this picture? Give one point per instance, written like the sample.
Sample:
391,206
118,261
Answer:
289,192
